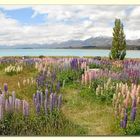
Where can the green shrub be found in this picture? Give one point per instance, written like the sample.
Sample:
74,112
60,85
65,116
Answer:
69,76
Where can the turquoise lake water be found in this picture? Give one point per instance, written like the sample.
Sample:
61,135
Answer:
63,52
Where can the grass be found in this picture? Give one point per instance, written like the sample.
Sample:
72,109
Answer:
90,115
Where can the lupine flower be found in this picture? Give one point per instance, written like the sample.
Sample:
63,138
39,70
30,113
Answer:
5,87
41,98
37,108
25,108
38,97
54,100
125,120
133,114
58,86
134,102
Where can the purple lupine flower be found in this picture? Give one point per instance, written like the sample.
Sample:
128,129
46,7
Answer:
58,86
46,106
37,108
5,87
1,112
125,120
54,100
41,99
134,102
51,102
133,114
25,108
38,97
59,101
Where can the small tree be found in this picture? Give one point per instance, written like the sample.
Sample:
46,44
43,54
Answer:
118,50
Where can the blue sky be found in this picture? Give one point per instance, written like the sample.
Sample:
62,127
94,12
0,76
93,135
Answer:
24,16
57,23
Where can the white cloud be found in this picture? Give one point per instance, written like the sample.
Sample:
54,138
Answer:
135,13
66,22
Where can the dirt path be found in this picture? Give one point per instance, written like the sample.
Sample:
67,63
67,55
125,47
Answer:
96,118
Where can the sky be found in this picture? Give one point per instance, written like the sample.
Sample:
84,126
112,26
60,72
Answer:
47,24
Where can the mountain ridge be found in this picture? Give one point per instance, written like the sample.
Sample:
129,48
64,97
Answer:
96,42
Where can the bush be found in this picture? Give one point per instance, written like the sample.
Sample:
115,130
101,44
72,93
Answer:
69,76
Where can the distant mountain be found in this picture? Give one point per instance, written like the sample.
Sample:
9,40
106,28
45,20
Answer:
97,42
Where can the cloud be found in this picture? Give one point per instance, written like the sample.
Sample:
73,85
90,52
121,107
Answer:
68,22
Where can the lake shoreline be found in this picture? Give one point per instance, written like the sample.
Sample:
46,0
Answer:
65,52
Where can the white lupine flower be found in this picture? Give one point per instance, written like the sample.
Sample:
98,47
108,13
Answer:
16,69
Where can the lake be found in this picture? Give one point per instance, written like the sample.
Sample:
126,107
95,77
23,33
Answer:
63,52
